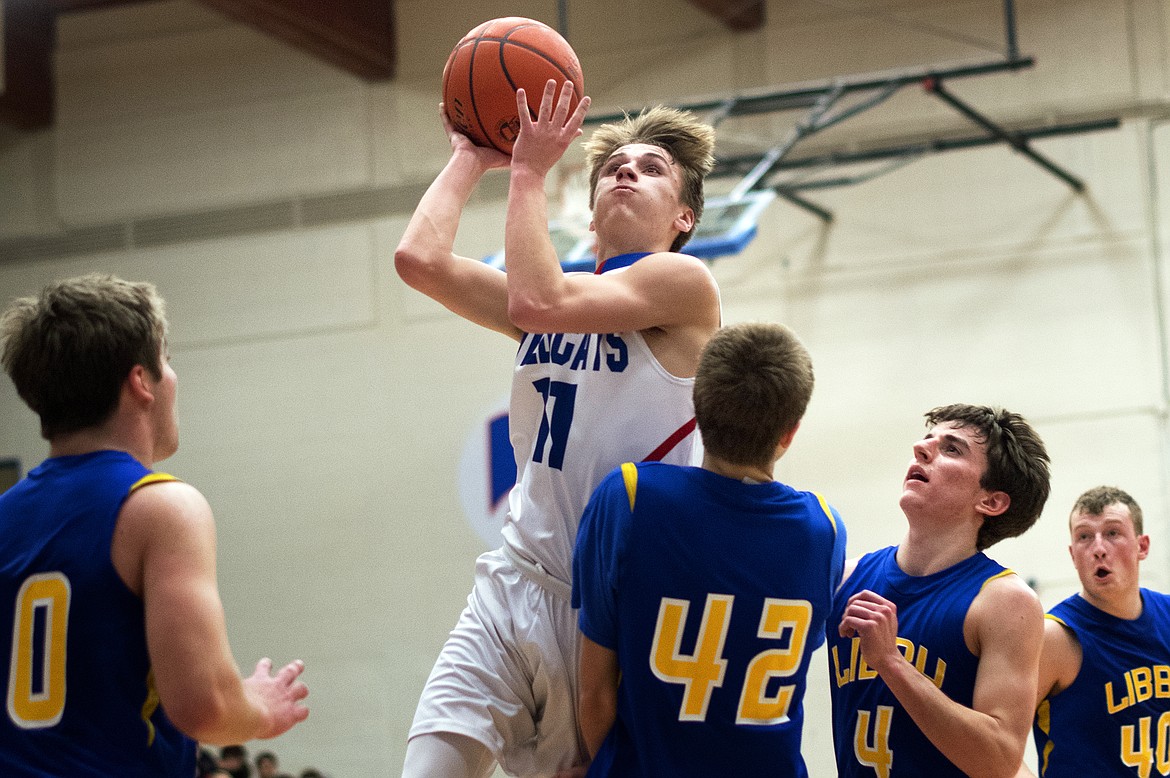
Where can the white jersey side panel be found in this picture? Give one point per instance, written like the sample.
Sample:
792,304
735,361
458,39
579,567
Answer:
581,405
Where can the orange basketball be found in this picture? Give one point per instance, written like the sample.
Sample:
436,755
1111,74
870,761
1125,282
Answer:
494,60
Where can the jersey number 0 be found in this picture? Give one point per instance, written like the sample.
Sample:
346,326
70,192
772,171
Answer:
36,671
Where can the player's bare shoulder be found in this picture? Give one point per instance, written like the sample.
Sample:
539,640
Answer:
682,282
683,293
160,514
1005,605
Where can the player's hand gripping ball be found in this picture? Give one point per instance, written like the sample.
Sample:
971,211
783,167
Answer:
490,63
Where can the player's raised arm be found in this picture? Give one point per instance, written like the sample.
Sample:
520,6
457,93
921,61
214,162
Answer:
639,208
425,257
534,274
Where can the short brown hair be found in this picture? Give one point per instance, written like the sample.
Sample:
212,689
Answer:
1017,464
752,387
69,349
1096,500
691,144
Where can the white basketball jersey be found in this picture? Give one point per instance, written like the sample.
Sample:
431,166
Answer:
582,404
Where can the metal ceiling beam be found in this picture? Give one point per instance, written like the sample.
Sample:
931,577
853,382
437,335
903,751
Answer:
738,15
355,35
26,102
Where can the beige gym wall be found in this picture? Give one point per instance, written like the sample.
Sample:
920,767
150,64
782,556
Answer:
324,405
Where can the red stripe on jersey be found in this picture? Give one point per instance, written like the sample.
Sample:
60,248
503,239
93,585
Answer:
667,445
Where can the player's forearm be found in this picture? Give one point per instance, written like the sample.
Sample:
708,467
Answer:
427,242
978,744
535,278
221,714
596,714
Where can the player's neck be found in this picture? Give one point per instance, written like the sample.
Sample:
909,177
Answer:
927,551
641,241
105,437
1123,605
753,473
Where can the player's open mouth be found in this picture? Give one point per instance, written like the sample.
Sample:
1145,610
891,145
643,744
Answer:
1101,572
916,474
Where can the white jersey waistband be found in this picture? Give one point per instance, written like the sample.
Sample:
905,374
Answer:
535,572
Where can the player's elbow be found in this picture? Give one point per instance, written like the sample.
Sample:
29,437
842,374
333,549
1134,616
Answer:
413,265
531,314
217,715
421,267
201,717
1001,762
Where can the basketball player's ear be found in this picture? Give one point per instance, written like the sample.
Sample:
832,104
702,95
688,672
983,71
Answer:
1143,546
685,221
786,438
139,384
993,503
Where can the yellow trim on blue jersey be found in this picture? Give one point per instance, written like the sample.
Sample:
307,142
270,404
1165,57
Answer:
150,706
828,511
1044,722
152,478
151,703
1057,619
1003,574
630,476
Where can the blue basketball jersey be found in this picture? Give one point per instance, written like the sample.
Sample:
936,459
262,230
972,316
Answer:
80,698
872,734
1114,719
713,593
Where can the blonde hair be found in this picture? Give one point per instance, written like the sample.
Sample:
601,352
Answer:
690,142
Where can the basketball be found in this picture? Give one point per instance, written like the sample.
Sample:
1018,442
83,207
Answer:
490,63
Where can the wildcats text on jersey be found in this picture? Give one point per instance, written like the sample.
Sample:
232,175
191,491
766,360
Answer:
576,351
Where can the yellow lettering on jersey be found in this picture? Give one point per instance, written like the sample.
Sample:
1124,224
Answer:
864,671
1141,683
1143,686
700,672
1113,705
859,670
840,677
1161,681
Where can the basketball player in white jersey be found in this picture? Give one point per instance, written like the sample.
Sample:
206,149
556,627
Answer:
603,375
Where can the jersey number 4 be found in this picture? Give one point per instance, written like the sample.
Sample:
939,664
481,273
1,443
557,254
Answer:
702,672
36,674
874,752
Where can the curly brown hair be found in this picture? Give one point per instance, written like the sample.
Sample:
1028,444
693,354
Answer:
1017,464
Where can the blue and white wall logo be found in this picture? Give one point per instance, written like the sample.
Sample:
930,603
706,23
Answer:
487,472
